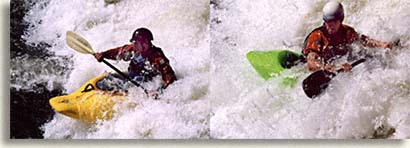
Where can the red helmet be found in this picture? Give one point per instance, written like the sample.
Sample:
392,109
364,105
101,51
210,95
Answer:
142,33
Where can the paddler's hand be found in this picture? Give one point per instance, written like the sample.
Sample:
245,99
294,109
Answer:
346,67
329,67
396,44
390,45
387,45
98,56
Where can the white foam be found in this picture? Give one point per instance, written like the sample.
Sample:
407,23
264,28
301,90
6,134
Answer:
243,104
354,106
180,28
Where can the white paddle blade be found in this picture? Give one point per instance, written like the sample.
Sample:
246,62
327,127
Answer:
78,43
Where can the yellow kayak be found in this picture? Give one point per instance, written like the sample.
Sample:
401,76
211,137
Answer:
94,100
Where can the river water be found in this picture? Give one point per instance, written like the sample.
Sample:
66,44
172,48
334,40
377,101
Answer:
370,102
180,28
218,94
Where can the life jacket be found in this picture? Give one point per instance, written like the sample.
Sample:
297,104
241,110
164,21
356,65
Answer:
329,47
144,66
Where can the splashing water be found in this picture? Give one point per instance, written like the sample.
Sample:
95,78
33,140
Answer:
180,28
371,102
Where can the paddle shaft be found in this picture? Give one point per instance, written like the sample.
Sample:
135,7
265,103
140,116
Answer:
318,81
124,75
353,64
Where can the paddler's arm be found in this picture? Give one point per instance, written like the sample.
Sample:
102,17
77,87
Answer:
113,54
314,64
366,41
168,75
161,63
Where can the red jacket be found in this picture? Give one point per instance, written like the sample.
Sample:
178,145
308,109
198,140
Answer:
147,64
329,47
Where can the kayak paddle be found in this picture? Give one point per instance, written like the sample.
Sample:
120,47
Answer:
81,45
318,81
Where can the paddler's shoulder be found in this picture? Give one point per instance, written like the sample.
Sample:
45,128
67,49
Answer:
348,28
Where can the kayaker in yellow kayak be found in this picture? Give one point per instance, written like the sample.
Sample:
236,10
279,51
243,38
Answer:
147,61
331,40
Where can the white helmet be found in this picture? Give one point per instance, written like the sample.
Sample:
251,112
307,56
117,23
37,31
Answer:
333,11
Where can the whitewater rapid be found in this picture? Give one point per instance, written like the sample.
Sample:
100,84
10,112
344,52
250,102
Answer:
180,28
218,95
371,102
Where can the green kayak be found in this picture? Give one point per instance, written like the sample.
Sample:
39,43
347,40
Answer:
272,63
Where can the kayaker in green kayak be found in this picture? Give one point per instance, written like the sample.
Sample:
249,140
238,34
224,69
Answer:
331,41
147,61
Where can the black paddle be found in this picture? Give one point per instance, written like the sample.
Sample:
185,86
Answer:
318,81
